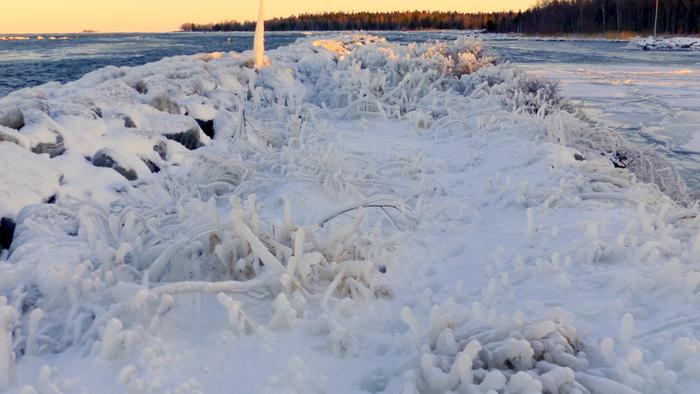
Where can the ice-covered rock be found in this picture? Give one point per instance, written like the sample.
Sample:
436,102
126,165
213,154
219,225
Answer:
11,117
190,138
665,44
108,158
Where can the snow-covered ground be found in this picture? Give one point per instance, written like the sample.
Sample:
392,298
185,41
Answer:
358,216
665,44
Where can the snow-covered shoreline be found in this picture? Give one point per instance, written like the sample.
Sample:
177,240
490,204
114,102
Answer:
665,44
358,216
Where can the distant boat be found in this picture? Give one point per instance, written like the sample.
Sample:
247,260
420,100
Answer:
90,31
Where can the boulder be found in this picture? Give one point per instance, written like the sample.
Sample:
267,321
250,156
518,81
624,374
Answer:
165,104
128,122
107,158
53,149
161,148
153,167
7,231
12,117
207,127
190,139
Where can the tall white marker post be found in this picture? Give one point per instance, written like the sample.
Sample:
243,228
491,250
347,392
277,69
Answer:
259,42
656,17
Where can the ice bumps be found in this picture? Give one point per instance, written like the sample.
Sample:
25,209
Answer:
466,351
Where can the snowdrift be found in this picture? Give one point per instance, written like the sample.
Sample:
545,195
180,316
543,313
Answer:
358,216
665,44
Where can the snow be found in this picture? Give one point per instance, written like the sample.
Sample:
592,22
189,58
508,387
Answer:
665,44
25,179
367,217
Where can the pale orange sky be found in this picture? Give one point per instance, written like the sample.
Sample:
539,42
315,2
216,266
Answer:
63,16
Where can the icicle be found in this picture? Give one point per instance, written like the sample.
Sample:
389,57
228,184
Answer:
110,339
240,324
284,316
288,221
43,383
530,229
34,319
166,302
607,349
259,43
627,329
7,358
126,375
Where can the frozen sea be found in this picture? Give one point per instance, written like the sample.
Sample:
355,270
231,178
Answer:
651,97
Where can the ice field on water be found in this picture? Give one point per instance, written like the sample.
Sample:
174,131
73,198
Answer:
358,216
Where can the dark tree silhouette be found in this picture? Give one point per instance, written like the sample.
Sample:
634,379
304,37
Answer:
547,17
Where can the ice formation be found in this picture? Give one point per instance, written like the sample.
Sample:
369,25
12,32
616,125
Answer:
359,214
665,44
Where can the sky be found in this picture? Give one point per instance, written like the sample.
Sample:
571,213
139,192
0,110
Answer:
65,16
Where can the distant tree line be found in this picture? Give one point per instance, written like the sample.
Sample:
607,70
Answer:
547,17
600,16
333,21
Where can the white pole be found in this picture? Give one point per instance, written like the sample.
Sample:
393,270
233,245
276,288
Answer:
656,17
259,42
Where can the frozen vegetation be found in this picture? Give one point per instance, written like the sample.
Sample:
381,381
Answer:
666,44
355,216
654,104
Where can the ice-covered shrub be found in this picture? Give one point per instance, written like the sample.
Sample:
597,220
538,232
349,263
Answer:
566,125
140,256
422,82
648,165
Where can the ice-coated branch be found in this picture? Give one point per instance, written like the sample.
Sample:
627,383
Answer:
602,385
256,245
212,287
377,202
